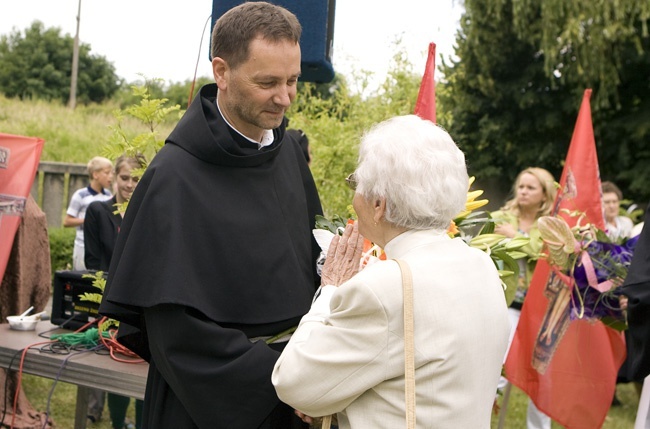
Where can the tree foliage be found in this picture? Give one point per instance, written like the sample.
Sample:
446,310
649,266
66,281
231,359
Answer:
585,41
512,97
37,64
336,123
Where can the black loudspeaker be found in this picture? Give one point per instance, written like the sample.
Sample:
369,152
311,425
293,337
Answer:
317,20
68,309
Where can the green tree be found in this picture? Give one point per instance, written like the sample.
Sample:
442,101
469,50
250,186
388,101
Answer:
37,65
508,109
586,42
336,123
179,92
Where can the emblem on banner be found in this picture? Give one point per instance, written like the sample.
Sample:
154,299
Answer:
4,157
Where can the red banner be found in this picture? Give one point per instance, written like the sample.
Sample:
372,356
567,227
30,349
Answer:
568,368
19,157
425,106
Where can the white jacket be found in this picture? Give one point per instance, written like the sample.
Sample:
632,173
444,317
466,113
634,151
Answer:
347,355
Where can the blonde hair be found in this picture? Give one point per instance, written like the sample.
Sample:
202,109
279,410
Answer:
96,164
548,186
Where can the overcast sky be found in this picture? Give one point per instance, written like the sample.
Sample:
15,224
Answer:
163,39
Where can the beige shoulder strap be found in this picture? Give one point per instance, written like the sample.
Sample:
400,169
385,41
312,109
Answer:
409,346
327,422
409,349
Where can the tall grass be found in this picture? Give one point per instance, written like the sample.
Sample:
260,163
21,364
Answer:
72,136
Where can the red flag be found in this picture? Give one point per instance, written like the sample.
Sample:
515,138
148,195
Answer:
568,368
425,106
19,158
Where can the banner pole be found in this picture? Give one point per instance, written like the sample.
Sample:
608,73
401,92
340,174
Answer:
504,406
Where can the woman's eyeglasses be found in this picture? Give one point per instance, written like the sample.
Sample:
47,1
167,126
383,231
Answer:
351,180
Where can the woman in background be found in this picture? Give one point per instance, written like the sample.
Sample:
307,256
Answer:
534,194
101,226
347,354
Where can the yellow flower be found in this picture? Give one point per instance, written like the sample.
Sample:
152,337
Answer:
452,230
472,204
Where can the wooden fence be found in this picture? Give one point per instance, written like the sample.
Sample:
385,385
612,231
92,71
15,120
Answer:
53,187
57,181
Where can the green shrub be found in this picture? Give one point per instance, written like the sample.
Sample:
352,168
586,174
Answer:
61,246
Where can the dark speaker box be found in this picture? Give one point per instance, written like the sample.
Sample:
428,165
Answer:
317,20
68,310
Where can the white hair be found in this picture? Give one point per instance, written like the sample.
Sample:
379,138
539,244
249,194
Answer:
416,166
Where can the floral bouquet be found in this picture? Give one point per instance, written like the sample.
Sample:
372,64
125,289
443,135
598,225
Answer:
590,265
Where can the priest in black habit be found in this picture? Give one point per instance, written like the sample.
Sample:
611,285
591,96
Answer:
215,254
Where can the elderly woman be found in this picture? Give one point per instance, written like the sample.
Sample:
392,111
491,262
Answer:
347,355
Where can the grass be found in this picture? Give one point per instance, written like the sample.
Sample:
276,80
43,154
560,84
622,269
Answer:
619,417
73,136
63,404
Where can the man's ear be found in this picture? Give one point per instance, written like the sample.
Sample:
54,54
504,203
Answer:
220,72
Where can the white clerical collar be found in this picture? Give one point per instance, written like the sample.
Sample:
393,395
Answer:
267,137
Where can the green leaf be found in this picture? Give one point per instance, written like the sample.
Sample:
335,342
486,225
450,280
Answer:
509,263
614,323
514,254
93,297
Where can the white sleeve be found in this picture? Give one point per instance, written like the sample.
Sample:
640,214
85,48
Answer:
74,208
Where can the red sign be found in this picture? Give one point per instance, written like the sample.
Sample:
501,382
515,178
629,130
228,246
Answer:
19,157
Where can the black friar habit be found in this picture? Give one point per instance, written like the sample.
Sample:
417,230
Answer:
637,288
214,249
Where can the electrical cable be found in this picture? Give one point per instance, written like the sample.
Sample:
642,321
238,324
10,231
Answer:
20,379
111,343
23,353
6,388
196,67
62,344
58,376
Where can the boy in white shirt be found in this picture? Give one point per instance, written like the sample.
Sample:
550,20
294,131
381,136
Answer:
100,173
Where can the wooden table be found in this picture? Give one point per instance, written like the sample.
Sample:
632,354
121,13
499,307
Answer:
86,370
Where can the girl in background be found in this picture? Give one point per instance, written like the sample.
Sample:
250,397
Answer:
101,226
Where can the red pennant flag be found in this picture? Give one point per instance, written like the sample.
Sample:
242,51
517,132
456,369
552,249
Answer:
19,157
425,106
568,368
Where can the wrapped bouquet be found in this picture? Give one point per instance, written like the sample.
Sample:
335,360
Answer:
590,265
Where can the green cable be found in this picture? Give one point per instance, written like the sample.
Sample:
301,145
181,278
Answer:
89,338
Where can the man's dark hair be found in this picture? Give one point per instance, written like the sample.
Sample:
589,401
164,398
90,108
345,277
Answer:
235,29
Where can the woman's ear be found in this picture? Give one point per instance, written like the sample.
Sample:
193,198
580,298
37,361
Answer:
379,206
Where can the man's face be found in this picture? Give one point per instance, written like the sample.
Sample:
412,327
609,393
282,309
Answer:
255,96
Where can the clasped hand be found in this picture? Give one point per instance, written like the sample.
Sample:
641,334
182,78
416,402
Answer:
343,256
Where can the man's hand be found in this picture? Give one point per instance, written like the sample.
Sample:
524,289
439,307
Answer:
304,417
